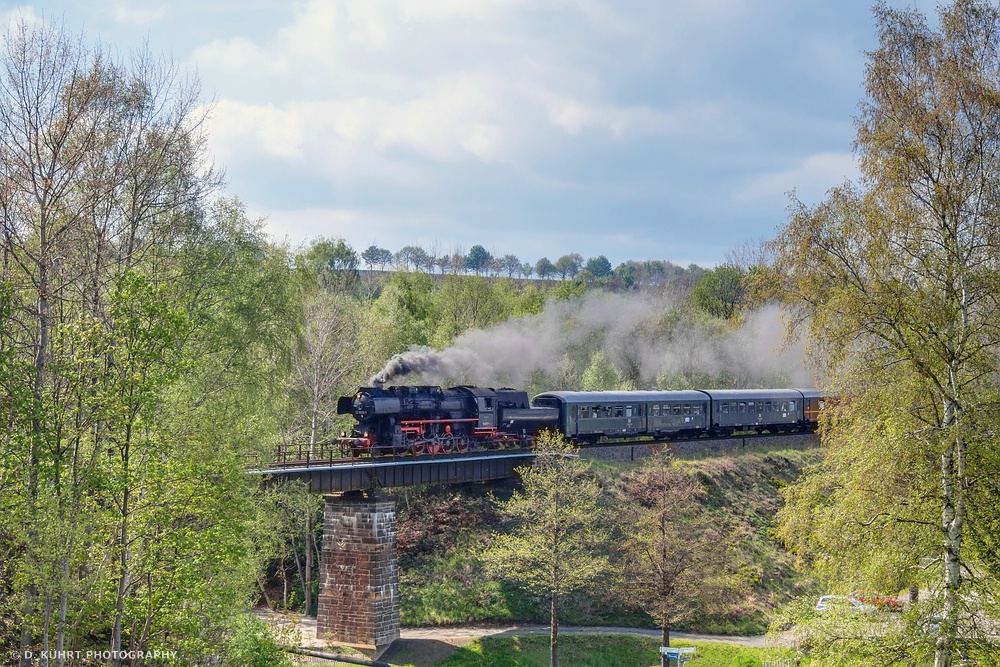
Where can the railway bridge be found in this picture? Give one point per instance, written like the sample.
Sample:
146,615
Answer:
359,583
359,590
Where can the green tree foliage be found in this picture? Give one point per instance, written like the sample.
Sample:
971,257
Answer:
899,280
421,259
412,255
253,645
568,266
657,274
478,259
721,292
599,267
401,316
555,545
374,256
142,331
544,268
288,530
465,302
600,374
625,276
510,265
332,262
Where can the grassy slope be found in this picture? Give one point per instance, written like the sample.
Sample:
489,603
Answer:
599,651
439,527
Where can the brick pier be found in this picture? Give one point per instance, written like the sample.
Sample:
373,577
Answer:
359,584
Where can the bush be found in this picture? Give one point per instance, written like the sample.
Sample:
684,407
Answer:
253,645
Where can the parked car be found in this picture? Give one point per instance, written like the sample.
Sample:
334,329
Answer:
880,602
842,603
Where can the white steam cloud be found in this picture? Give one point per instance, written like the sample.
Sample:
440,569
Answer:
650,341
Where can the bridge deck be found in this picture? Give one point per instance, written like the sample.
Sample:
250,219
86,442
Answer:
358,474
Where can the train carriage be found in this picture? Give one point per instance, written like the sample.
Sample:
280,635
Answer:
757,410
678,414
587,416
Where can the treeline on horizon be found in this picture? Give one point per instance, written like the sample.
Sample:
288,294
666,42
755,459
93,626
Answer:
341,256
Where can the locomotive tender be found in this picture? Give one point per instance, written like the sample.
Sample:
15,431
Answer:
433,420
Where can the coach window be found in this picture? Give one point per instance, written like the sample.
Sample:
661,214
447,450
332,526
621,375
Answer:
696,409
791,406
750,407
677,409
618,411
628,410
725,408
687,408
767,407
743,407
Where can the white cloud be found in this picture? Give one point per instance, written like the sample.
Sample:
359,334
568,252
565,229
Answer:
275,132
123,12
21,14
357,82
574,114
811,178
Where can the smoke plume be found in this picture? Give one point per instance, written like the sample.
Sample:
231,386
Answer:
652,341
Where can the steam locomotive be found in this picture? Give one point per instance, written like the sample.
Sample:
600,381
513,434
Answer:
432,420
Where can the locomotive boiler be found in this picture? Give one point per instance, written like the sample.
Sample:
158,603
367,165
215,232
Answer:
434,420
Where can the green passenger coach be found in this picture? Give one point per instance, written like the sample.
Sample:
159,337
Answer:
586,416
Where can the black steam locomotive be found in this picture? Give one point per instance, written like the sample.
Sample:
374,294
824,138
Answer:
433,420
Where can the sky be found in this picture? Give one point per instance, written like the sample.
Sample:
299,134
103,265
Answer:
637,129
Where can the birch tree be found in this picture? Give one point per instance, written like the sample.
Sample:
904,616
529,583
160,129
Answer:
328,359
898,278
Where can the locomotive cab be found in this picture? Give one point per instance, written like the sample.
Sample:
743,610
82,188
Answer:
484,404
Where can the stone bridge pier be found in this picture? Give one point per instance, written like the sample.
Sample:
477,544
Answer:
359,582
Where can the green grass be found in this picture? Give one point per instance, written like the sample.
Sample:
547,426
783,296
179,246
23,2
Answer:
599,651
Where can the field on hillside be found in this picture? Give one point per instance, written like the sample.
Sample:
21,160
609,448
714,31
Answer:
441,581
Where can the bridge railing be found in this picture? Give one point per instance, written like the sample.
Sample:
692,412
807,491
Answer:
304,453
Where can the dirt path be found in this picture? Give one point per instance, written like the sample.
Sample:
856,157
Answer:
426,647
463,635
